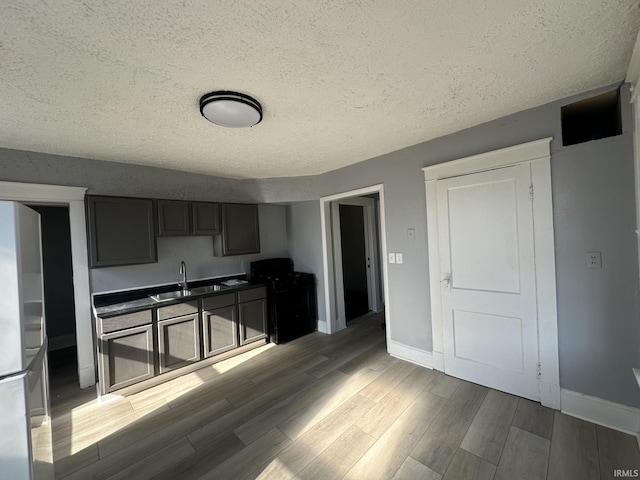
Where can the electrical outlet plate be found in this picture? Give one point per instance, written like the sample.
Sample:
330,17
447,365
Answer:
594,260
392,258
398,258
411,233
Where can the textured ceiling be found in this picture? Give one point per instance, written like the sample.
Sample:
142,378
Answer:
340,81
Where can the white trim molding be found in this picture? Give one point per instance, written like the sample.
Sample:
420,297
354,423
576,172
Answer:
538,155
331,304
74,198
410,354
603,412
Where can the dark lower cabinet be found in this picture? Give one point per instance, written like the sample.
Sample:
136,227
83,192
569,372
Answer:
219,330
253,320
137,346
178,342
121,231
126,357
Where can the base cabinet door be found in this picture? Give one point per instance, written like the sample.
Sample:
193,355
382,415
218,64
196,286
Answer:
253,320
220,330
178,342
126,357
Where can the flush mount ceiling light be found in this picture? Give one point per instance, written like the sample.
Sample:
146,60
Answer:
231,109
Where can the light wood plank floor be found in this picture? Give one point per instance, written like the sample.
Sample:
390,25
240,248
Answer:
326,407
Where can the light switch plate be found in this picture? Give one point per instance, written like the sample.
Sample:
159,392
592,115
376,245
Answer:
392,258
411,233
398,258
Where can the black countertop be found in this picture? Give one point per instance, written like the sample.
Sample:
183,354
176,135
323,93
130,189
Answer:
112,304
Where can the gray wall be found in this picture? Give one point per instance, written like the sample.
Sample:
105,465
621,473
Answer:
594,210
197,252
305,245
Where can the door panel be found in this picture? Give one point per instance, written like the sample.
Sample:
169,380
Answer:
220,330
475,339
487,214
253,321
178,342
488,289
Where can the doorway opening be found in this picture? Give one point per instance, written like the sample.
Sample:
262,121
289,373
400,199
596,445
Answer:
353,239
355,261
60,318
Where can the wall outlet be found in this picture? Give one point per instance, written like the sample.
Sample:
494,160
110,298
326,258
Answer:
594,260
392,258
411,233
398,258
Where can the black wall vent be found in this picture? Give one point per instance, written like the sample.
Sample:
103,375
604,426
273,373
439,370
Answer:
591,119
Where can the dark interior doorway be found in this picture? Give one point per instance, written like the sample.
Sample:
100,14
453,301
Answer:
58,290
354,261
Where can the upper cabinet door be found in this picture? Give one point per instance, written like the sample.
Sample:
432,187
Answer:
206,218
240,231
121,231
174,218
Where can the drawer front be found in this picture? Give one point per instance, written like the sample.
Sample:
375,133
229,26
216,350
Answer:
253,294
128,320
218,301
177,310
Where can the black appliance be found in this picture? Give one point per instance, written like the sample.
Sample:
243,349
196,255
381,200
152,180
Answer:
291,297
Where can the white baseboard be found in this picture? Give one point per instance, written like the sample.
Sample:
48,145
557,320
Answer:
603,412
410,354
87,376
323,327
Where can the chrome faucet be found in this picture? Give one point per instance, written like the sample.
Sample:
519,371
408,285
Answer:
183,272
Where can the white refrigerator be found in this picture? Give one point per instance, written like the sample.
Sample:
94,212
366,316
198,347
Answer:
25,425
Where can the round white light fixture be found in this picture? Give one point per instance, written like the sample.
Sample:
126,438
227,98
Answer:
231,109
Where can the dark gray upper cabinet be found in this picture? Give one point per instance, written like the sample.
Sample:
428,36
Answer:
240,230
121,231
206,218
181,218
174,218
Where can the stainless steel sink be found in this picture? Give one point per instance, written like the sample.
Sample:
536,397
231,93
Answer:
208,289
162,297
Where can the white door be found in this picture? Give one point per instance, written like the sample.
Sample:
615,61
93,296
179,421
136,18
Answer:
488,279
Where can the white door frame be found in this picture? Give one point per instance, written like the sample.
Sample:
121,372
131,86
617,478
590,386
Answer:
332,323
538,155
373,288
73,197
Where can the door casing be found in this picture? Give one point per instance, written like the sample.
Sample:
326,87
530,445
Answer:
538,155
332,324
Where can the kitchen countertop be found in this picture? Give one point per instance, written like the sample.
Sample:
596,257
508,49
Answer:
113,304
